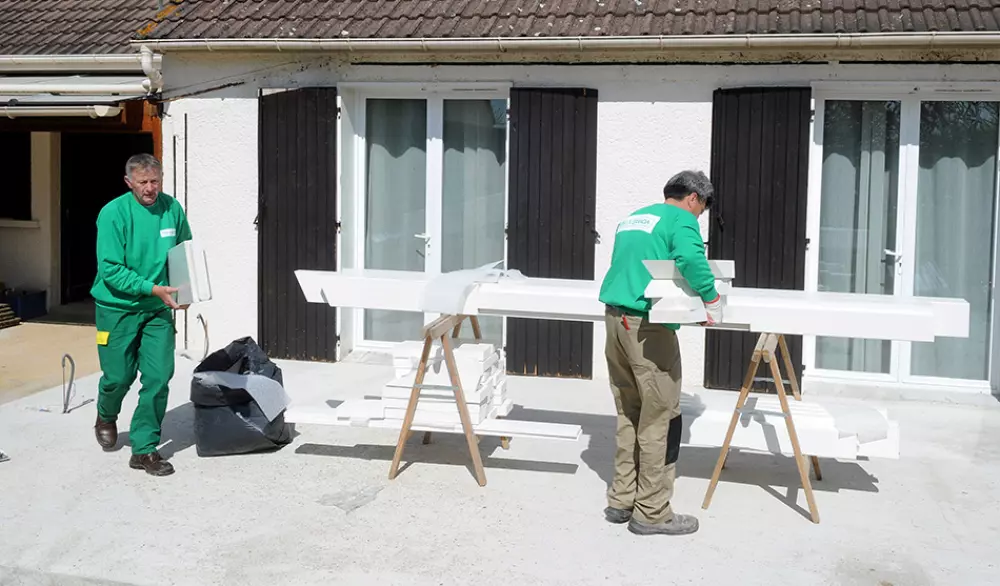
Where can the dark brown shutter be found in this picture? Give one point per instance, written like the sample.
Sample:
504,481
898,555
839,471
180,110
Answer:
550,228
297,220
760,160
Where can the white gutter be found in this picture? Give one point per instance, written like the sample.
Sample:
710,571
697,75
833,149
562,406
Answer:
127,90
98,111
980,40
133,62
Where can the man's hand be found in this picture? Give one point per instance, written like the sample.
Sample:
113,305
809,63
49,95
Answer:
714,310
164,293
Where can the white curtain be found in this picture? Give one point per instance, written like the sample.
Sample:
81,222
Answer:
858,219
472,206
395,204
956,189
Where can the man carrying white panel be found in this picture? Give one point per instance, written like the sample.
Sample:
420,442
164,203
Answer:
644,360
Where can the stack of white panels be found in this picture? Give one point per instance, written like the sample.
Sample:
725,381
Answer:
827,431
481,372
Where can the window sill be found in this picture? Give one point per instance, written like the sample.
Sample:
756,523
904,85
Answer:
6,223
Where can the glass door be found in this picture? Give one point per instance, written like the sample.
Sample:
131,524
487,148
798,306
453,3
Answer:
395,204
435,196
954,247
474,191
907,205
859,247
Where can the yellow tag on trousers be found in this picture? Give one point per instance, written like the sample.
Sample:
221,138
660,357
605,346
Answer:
102,338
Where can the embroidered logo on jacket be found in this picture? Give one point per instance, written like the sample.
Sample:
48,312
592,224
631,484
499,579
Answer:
642,222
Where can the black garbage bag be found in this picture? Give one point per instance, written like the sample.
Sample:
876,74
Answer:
239,402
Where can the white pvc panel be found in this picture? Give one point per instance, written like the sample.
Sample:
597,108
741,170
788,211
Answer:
665,270
364,288
823,314
762,427
848,315
559,299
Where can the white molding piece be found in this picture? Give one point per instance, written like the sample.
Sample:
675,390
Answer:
842,431
187,267
820,313
706,416
724,270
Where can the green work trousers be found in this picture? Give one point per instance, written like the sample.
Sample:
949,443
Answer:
644,367
131,342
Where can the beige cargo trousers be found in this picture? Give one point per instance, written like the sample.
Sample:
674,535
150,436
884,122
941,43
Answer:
644,367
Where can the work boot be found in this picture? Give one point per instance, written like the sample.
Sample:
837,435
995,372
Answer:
107,433
617,516
678,525
152,463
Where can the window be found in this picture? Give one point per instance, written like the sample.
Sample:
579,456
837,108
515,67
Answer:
433,193
907,206
15,189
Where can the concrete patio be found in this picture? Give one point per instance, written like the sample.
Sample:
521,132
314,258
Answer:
322,511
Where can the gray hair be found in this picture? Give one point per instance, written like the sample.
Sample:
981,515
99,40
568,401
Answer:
141,161
687,182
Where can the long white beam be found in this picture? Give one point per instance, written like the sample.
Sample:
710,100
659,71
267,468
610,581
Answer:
917,319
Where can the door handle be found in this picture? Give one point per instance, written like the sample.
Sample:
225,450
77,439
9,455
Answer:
424,235
897,259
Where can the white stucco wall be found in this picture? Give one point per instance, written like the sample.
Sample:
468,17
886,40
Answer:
29,254
653,121
220,197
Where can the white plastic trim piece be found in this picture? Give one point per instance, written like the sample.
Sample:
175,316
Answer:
760,310
96,111
78,63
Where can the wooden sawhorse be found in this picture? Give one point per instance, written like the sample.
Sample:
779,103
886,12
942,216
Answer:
766,351
438,330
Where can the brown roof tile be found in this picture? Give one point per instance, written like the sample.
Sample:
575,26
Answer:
34,27
248,19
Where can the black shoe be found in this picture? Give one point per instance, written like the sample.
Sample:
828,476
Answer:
618,516
678,525
152,463
107,434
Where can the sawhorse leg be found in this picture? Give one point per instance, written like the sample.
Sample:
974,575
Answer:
793,382
765,350
439,330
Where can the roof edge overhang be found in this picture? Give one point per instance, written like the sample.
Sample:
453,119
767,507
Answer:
742,43
92,86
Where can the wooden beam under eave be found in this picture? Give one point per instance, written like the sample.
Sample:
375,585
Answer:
152,124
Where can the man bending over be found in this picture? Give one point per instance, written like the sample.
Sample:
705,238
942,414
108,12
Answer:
644,359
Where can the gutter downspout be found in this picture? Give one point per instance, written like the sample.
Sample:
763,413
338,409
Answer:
978,40
151,67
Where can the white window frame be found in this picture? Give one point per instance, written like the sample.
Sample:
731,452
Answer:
909,95
356,96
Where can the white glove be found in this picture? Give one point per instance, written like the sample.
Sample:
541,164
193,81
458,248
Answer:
714,310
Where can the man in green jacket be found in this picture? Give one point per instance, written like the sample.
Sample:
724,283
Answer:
134,309
644,359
